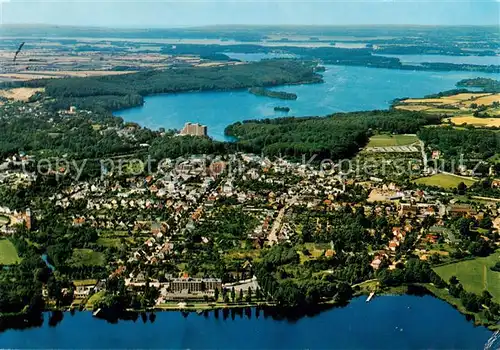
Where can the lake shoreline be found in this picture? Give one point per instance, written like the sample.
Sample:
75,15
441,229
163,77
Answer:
26,321
374,88
403,319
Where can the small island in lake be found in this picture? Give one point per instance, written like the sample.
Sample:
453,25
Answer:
273,94
281,109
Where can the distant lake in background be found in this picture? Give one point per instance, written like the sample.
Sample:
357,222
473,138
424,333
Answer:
387,322
257,56
346,89
416,59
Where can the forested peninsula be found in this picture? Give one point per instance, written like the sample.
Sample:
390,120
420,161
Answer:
365,57
108,93
486,84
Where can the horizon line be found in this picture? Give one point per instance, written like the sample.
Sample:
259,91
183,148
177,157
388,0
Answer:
201,26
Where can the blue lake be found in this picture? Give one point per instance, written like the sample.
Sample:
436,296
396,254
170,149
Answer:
388,322
346,89
480,60
257,56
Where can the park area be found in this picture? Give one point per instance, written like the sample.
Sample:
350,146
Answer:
387,140
8,253
475,275
447,181
86,257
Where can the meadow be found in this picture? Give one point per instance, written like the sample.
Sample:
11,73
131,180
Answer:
459,108
444,181
471,120
86,257
8,253
387,140
475,275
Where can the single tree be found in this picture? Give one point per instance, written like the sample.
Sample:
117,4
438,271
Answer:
258,293
233,295
248,297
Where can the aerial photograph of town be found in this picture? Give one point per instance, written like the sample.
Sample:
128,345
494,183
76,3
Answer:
225,174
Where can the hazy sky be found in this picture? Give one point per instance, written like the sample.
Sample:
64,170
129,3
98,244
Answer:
166,13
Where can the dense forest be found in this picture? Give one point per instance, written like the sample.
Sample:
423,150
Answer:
461,145
89,137
55,135
335,136
123,91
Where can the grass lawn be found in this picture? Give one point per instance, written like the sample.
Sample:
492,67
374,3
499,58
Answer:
444,180
4,220
8,253
94,299
475,275
315,251
86,257
495,158
113,238
386,140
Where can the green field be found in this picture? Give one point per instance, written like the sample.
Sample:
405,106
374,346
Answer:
8,253
4,220
386,140
94,299
475,275
86,257
444,180
114,239
109,242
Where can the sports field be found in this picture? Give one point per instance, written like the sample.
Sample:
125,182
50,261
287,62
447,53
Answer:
444,181
386,140
475,275
8,253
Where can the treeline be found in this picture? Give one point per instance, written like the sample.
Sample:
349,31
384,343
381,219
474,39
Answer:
122,91
456,144
447,93
336,136
414,271
442,49
328,55
177,146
